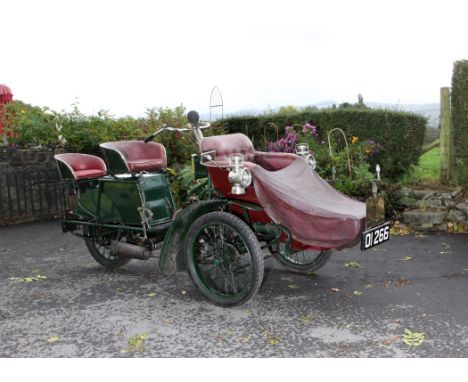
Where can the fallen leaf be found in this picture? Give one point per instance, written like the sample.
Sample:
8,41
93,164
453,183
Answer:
293,286
402,282
369,286
350,326
52,339
358,293
308,317
243,339
274,340
419,235
137,343
335,289
248,312
352,264
27,279
390,340
406,258
411,338
457,227
399,229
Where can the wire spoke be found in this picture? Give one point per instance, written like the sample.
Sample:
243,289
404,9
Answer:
222,258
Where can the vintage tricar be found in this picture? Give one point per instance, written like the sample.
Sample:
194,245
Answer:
259,204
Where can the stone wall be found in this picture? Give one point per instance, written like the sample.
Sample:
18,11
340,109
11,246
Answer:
29,185
434,209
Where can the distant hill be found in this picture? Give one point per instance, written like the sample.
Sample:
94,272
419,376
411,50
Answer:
428,110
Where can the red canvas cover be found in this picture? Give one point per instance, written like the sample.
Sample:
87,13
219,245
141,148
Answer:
315,213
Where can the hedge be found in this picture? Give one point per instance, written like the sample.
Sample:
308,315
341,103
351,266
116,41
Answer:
459,104
401,134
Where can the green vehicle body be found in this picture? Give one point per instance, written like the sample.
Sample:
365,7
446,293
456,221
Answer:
112,203
118,199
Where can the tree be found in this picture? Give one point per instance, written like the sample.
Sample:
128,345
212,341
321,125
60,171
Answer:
288,110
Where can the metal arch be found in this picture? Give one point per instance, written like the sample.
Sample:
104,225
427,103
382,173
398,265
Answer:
216,102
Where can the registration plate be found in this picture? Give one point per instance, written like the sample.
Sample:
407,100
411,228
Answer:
375,236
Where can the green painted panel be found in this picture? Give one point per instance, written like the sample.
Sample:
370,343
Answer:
123,193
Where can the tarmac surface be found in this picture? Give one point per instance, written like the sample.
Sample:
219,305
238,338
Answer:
358,305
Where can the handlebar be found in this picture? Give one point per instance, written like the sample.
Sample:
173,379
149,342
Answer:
180,130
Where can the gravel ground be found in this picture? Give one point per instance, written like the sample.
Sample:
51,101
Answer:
82,310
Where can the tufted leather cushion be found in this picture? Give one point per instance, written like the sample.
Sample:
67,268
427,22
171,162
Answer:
226,145
140,156
83,166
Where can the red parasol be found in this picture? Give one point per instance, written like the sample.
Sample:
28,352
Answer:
6,96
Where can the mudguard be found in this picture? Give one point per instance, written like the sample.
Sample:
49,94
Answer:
172,257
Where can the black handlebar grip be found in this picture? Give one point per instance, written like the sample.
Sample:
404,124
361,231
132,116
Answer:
193,117
149,138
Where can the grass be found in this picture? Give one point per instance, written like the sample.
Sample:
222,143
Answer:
430,165
427,170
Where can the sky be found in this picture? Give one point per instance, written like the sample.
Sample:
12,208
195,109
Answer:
126,56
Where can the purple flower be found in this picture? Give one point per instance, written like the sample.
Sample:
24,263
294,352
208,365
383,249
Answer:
309,128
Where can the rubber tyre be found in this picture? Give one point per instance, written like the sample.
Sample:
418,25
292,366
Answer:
109,262
251,244
106,263
305,268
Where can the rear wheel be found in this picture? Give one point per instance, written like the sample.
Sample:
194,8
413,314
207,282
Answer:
99,247
224,258
305,262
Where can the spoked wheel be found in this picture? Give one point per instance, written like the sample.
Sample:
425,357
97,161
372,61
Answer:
305,262
224,258
99,248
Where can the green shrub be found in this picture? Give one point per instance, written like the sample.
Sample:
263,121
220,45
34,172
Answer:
459,103
29,125
400,134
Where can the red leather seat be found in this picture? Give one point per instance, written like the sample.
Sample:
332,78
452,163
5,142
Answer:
226,145
138,155
80,166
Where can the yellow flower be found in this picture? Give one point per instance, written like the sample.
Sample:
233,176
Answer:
354,139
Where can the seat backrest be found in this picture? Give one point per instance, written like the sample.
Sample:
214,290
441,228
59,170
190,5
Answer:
134,156
228,144
80,166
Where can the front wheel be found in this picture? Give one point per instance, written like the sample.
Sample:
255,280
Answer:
305,262
224,258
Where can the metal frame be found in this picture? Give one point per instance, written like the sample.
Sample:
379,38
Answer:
216,101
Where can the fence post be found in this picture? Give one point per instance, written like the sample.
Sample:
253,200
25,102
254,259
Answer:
445,136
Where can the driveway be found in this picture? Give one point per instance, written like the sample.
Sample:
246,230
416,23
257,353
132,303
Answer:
358,305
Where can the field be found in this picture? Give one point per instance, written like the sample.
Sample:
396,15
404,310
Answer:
430,165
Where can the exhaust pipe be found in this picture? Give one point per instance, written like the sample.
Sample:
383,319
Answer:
122,249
